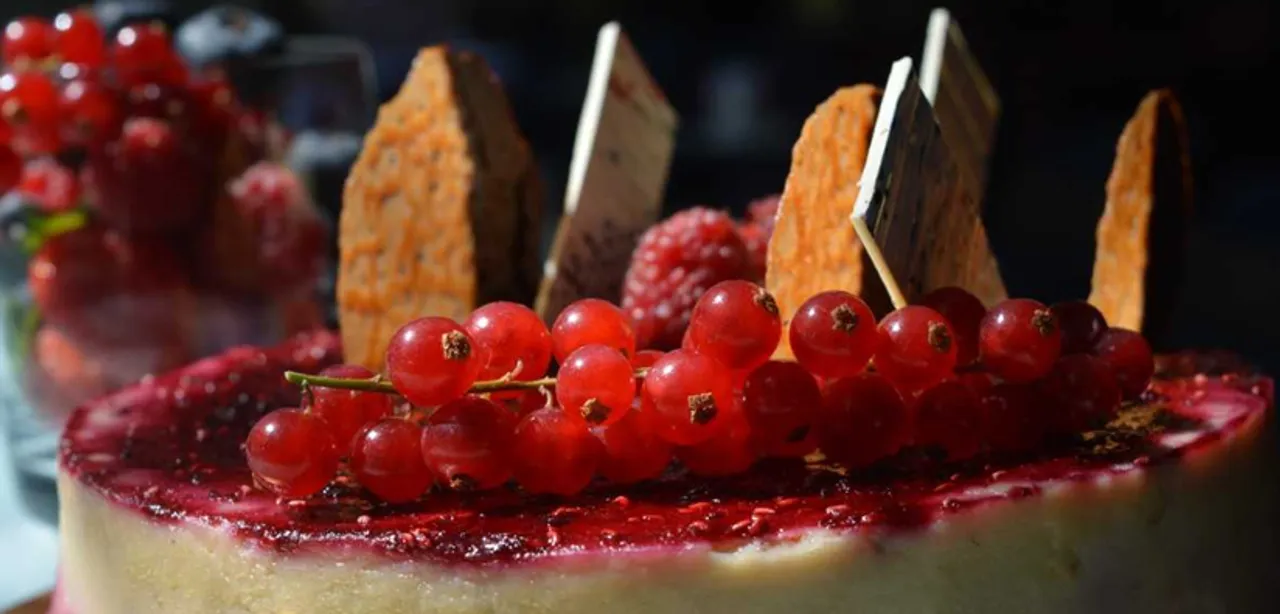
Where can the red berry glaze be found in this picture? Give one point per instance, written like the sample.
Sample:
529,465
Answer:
291,453
862,420
950,417
28,39
432,361
1016,417
1129,358
736,323
467,443
915,348
90,112
591,320
964,312
780,401
727,452
690,395
1081,323
348,411
510,335
80,40
630,451
1019,340
554,453
1081,393
595,385
833,334
386,458
141,53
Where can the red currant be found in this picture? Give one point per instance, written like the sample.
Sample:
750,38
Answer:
512,339
862,420
727,452
596,385
347,411
156,101
1129,358
643,360
50,185
1014,422
10,168
557,455
736,323
91,113
977,381
141,53
432,361
833,334
631,452
690,395
915,348
291,453
949,416
386,458
27,38
29,102
1082,393
467,442
964,312
591,320
1081,325
1019,340
780,401
80,40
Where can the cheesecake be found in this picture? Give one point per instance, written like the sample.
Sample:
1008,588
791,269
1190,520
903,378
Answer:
1169,508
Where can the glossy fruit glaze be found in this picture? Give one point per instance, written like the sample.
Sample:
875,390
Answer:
170,449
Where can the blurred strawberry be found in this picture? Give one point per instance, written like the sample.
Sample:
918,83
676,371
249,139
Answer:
52,187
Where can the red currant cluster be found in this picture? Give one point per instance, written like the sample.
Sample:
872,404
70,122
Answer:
948,375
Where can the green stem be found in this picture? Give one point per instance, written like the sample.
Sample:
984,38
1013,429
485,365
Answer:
378,383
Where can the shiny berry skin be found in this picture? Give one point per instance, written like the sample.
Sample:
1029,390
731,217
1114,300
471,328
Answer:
141,53
1016,417
727,452
10,168
977,381
29,103
1080,392
833,334
432,361
50,185
949,417
27,38
386,458
507,335
964,312
1081,324
591,320
631,452
780,401
915,348
80,39
643,360
554,453
291,453
1128,355
348,411
467,443
595,385
736,322
862,420
90,113
690,395
1019,340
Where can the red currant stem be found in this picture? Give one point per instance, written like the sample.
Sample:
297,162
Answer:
378,383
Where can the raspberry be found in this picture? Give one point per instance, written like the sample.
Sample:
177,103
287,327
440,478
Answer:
756,237
675,262
763,211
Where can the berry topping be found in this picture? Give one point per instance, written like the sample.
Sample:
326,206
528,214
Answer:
432,361
513,340
554,453
1081,323
726,452
291,453
347,411
862,420
915,348
674,263
91,113
467,443
631,452
964,312
1019,340
690,395
591,320
833,334
29,103
1015,421
146,181
595,385
1082,393
780,401
386,458
950,418
736,323
80,39
27,39
1129,358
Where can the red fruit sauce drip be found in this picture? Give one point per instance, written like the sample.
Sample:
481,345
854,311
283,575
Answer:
169,448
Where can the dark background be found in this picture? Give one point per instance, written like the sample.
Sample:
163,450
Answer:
744,76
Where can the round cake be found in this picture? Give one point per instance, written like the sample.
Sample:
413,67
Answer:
1169,508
